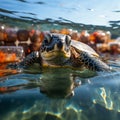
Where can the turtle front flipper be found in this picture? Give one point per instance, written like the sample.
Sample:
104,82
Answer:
88,60
27,61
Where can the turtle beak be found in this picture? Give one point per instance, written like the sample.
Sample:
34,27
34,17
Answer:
55,47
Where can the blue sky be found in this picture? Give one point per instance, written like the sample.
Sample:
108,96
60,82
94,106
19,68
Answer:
96,12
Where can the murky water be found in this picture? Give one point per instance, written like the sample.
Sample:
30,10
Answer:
61,94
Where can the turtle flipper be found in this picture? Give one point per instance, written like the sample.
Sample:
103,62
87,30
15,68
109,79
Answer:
93,63
26,62
89,61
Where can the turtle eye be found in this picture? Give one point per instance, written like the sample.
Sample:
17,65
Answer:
48,38
67,40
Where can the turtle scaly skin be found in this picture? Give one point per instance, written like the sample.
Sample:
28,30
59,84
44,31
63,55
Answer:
60,51
27,61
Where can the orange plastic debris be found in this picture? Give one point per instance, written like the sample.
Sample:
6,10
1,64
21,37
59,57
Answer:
6,57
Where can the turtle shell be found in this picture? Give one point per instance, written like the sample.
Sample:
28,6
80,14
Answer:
83,47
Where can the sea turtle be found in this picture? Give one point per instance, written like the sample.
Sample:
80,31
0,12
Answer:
58,50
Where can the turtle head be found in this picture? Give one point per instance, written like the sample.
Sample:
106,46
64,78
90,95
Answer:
55,48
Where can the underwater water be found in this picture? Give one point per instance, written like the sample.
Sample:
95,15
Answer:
61,93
